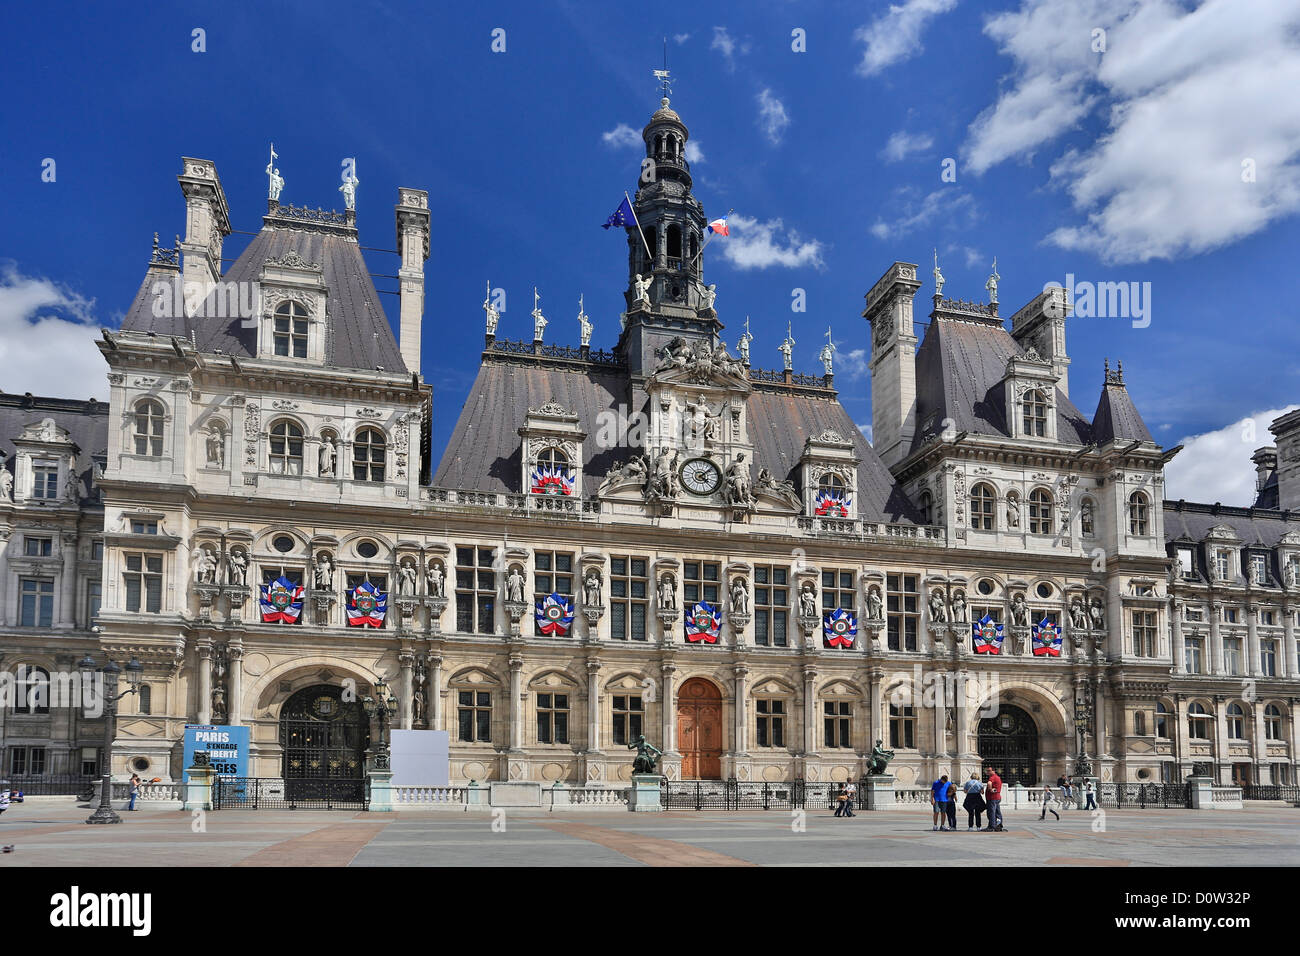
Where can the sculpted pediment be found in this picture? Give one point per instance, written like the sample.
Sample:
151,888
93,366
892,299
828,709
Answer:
47,432
682,363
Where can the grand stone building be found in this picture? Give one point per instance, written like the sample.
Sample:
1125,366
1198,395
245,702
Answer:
659,539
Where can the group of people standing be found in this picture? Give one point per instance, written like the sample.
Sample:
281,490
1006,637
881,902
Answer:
982,797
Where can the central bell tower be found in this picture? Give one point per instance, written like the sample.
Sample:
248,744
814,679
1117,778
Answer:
676,302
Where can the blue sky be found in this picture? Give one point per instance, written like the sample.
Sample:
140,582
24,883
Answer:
1124,165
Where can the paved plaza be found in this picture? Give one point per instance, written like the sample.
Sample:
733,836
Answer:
52,833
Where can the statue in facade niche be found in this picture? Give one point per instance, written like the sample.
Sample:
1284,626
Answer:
328,455
808,600
667,593
216,445
1098,615
406,577
1019,611
433,579
739,596
515,585
236,568
205,566
938,608
324,573
875,606
72,487
739,488
1013,510
959,606
591,588
6,484
1078,615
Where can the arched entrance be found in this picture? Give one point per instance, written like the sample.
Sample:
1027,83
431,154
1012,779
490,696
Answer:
1009,743
323,738
699,730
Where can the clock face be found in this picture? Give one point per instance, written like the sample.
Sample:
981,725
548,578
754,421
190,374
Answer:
701,476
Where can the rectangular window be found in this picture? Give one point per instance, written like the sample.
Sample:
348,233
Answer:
1266,617
97,551
771,605
94,598
837,716
1192,654
1232,655
629,587
629,712
143,580
552,574
1144,633
771,722
351,581
1230,615
45,480
36,602
37,547
89,761
838,590
902,727
28,761
1222,560
291,337
903,611
476,591
1195,614
144,527
1162,724
1268,658
700,582
474,713
552,718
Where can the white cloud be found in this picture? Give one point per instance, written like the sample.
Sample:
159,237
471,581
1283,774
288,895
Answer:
866,432
897,35
1187,98
728,46
772,116
680,38
694,153
47,335
902,143
915,213
850,365
621,136
1216,466
755,244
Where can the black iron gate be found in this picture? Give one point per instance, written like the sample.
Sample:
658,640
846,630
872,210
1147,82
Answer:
272,793
1142,796
324,739
1008,743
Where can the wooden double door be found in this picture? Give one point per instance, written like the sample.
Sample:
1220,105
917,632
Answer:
699,730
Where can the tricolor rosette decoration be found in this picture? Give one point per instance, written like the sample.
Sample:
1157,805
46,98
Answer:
367,606
988,635
830,504
554,615
280,601
840,627
552,480
1047,639
703,623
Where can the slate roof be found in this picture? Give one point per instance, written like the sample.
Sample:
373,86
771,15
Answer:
484,451
359,337
959,370
86,422
1117,418
1256,527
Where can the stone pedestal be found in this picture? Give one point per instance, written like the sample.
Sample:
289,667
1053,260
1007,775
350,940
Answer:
196,792
1202,792
379,773
644,795
880,791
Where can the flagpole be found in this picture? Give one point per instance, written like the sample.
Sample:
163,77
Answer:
638,229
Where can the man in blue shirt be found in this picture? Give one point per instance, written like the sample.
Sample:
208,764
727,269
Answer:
939,793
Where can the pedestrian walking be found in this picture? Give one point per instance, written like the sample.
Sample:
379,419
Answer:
939,800
850,798
993,796
1069,796
134,791
841,801
1090,795
974,803
1048,799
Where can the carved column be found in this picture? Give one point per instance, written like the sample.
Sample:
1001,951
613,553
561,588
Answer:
1222,756
235,649
205,681
593,705
1099,704
1290,667
962,743
1258,748
668,706
4,578
68,584
1216,639
516,704
1252,640
1176,629
879,726
809,711
435,692
741,672
405,660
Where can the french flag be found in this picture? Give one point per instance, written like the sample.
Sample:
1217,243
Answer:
719,226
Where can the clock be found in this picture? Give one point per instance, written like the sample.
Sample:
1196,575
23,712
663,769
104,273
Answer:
701,476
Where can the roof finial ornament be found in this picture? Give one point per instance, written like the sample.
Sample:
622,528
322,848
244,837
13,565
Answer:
938,277
349,187
539,320
743,345
584,323
664,78
992,284
828,352
275,180
493,316
786,348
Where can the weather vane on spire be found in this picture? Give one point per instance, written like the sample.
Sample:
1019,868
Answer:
663,76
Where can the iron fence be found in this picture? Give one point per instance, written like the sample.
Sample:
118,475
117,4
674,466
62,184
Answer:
299,793
732,794
1121,796
52,784
1259,791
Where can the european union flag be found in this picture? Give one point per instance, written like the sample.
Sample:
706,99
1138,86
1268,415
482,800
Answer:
623,215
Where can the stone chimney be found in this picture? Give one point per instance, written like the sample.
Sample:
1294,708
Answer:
1040,325
207,223
1265,460
413,244
1287,431
893,362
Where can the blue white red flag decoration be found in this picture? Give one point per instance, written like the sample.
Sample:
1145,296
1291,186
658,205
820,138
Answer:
832,505
840,627
988,635
281,601
554,614
720,227
552,480
367,606
703,623
1047,639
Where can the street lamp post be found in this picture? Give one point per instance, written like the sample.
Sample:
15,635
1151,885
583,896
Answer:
1082,720
384,706
110,696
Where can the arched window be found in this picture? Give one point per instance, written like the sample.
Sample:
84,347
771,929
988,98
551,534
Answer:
1139,516
291,329
902,727
1236,722
1272,722
926,503
1198,722
982,501
831,484
149,418
1035,409
286,448
368,455
1040,511
553,457
674,242
1162,720
31,690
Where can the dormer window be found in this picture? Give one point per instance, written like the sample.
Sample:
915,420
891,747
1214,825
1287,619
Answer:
291,330
1185,567
926,503
832,497
45,479
368,455
1035,414
552,476
149,418
1222,563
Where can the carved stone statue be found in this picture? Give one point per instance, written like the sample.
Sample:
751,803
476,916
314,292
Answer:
676,354
349,191
646,755
1019,611
1078,615
275,181
493,316
6,484
875,606
742,346
328,455
433,579
539,320
667,593
1098,615
515,585
417,706
584,324
992,284
938,276
219,703
739,596
591,588
786,348
237,567
708,297
808,600
938,607
641,290
1013,510
959,606
72,487
827,355
739,489
216,445
767,482
205,566
406,577
664,483
634,469
324,573
879,759
1292,572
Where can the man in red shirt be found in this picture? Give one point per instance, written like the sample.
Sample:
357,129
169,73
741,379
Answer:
993,795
